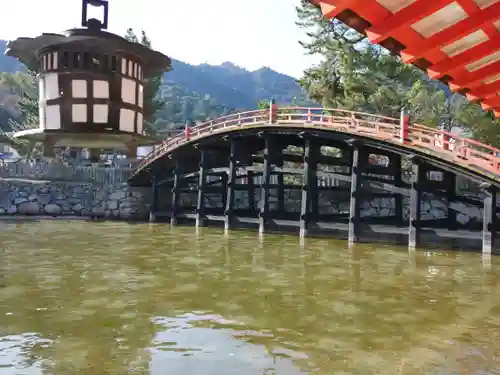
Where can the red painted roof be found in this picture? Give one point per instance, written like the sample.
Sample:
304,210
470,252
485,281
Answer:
455,41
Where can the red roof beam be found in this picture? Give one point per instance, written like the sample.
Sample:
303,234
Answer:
484,92
456,32
412,13
445,66
331,8
475,78
492,103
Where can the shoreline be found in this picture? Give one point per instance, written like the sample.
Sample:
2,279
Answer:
432,239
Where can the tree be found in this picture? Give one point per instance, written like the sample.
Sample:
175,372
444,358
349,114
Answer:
186,109
153,102
263,104
25,86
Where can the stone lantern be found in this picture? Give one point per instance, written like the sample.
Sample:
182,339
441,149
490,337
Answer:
91,85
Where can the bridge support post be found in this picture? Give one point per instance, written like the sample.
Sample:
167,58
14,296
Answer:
223,180
153,208
451,193
174,211
231,182
281,182
417,174
251,190
489,218
202,180
355,202
310,179
398,182
264,187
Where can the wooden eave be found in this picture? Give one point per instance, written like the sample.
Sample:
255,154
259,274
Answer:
454,41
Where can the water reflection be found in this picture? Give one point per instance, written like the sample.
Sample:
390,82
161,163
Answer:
110,298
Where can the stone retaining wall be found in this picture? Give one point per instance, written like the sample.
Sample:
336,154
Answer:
117,201
120,201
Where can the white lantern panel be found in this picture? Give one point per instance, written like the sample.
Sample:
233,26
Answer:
55,61
141,96
52,117
128,91
41,88
124,66
130,68
79,112
79,88
127,120
41,116
101,89
51,84
139,123
100,113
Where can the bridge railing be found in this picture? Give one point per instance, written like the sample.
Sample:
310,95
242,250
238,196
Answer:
458,149
454,147
451,147
206,128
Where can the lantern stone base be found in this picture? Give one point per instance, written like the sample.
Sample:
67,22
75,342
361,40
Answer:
120,141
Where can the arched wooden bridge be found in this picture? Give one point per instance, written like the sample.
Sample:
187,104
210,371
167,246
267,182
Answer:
387,177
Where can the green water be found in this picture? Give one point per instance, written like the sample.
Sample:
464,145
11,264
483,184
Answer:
113,298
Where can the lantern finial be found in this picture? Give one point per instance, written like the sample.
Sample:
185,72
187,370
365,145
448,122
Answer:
94,23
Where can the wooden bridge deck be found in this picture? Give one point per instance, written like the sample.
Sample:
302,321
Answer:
469,154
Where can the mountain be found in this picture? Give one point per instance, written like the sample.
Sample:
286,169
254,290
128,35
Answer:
198,92
7,64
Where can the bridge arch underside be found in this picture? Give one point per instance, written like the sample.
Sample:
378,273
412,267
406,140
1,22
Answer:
323,182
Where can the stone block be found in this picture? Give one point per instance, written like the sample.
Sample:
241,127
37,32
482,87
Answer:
52,209
29,208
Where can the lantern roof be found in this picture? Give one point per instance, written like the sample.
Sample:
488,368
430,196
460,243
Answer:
27,50
454,41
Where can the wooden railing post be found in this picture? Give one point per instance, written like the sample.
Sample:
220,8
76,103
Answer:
273,111
404,127
353,122
462,150
446,142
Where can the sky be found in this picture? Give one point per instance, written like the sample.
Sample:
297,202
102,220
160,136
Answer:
251,34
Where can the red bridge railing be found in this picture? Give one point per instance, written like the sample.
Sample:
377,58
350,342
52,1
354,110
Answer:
450,147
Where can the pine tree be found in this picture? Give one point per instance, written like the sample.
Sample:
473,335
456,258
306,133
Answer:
24,84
